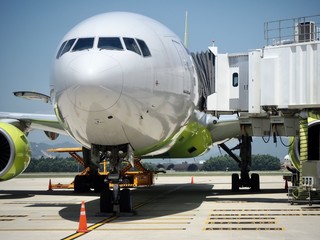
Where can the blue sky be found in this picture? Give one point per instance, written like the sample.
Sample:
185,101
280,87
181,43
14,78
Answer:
32,29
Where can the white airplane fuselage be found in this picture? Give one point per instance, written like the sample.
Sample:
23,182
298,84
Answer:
140,90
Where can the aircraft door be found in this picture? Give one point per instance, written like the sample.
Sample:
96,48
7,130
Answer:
186,72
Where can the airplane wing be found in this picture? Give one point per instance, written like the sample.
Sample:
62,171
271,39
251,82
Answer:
30,121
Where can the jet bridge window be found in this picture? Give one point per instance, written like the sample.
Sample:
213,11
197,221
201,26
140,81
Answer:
65,47
144,48
83,44
110,43
235,79
131,45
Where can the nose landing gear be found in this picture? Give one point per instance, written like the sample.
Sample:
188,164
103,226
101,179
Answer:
115,155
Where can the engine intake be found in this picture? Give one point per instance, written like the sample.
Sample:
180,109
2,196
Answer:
15,151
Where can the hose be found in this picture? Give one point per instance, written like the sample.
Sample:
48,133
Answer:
303,130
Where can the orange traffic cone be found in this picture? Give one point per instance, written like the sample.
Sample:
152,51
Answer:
192,180
83,219
50,186
286,185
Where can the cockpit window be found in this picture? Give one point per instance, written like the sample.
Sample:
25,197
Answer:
65,47
144,48
131,45
83,44
110,43
60,49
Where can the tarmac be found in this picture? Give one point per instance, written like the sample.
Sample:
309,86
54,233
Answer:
174,208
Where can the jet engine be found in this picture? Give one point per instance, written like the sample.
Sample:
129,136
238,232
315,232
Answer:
15,151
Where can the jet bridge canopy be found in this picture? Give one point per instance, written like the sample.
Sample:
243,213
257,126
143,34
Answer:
205,67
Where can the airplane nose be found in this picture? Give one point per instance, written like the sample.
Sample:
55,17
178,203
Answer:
95,82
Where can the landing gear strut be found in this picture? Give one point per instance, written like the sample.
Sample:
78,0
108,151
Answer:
108,198
89,178
244,163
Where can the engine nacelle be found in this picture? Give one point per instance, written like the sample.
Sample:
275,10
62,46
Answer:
15,151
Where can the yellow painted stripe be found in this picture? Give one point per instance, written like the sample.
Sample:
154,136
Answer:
133,223
265,214
241,218
243,229
265,210
34,229
242,222
139,229
92,227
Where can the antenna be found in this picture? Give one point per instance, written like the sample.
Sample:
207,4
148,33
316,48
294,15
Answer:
186,34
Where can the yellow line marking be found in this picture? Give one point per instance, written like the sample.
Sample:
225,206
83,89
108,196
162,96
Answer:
243,229
265,214
97,225
137,229
133,223
265,210
241,222
92,227
34,229
241,218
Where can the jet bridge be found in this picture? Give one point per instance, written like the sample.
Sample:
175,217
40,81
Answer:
282,76
273,90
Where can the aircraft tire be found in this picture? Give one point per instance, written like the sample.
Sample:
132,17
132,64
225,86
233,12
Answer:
235,183
106,201
125,201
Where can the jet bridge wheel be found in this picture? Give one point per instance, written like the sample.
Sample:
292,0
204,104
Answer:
106,201
125,201
235,184
255,182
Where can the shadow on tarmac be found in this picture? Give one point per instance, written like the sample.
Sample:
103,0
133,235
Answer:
155,201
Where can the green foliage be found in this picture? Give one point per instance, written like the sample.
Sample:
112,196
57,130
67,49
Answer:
220,163
263,162
54,165
259,163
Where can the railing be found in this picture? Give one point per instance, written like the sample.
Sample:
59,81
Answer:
295,30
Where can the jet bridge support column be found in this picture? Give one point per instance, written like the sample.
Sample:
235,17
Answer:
245,164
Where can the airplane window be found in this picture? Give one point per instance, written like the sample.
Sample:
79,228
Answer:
144,48
60,49
110,43
131,45
82,44
67,46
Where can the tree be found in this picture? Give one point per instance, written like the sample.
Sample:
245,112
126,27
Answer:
220,163
259,163
53,165
265,162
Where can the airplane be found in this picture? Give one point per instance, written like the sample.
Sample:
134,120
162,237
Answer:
123,86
